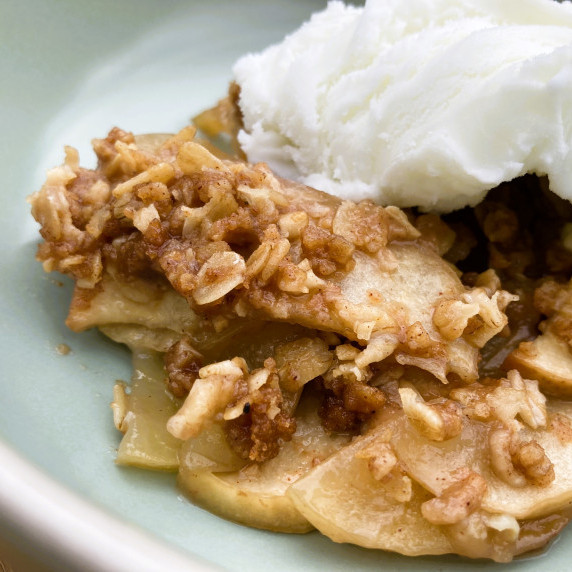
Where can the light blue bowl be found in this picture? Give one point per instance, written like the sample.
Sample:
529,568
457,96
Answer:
70,71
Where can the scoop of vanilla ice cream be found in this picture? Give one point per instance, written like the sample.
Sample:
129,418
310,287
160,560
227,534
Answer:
425,103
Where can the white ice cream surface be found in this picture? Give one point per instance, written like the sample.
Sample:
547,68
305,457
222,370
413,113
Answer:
426,103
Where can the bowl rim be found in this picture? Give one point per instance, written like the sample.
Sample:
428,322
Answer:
48,518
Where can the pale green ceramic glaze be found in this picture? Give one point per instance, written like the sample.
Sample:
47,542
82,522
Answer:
70,70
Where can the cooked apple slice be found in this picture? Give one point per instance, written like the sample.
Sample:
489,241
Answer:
256,494
535,534
434,464
143,413
138,301
343,500
548,359
252,500
210,451
146,313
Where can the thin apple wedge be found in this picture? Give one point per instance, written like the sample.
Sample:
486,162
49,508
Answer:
435,464
142,415
343,500
256,495
548,359
251,500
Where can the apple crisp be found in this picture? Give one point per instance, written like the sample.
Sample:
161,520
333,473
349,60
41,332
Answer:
393,378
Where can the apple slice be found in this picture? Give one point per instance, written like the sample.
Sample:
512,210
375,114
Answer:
251,499
345,502
145,411
548,359
434,464
210,452
256,494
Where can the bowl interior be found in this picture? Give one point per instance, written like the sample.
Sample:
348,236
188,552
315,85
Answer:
71,72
